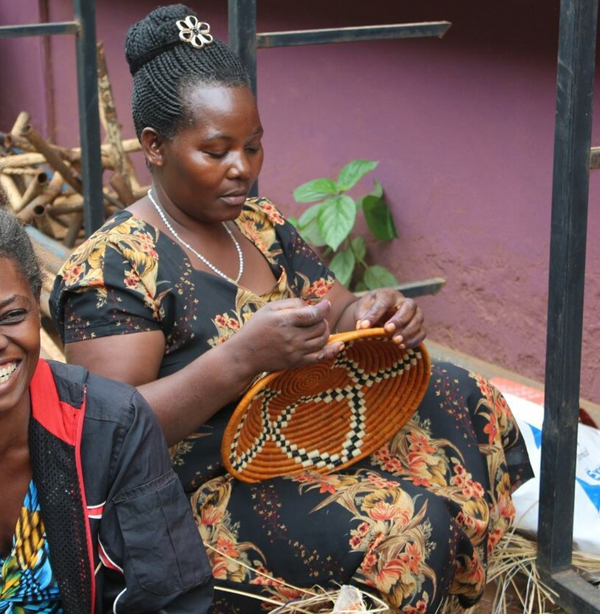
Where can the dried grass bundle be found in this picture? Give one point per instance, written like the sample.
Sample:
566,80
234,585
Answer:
513,568
345,600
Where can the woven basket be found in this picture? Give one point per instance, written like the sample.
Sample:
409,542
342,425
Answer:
327,415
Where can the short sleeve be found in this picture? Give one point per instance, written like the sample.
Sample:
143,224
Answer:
109,286
308,276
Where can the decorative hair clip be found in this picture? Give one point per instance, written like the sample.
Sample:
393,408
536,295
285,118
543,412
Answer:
195,32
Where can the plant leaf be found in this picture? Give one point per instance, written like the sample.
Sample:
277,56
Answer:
308,226
317,189
361,286
343,265
379,218
336,219
359,247
379,277
293,221
353,172
377,189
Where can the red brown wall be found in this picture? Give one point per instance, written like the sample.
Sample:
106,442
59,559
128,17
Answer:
463,128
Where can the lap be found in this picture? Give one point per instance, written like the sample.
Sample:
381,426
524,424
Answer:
413,520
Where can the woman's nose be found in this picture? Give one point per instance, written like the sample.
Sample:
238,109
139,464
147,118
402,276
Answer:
240,167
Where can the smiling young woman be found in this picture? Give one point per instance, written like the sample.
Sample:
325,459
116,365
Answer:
86,478
195,290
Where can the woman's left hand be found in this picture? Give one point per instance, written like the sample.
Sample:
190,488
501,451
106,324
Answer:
400,316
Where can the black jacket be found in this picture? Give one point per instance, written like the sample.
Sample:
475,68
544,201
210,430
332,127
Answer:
121,534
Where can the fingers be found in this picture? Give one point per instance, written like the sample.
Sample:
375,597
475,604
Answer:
330,350
307,315
374,308
286,303
406,326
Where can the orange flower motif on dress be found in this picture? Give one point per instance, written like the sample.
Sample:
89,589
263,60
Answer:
470,575
420,608
318,289
414,453
229,557
272,212
493,404
84,270
389,505
227,324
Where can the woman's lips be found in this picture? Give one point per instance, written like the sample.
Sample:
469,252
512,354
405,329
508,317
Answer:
235,200
7,371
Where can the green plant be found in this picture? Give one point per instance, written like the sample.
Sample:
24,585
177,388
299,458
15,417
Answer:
330,224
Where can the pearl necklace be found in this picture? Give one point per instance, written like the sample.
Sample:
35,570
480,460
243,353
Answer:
211,266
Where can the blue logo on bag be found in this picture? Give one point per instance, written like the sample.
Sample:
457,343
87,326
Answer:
537,435
594,473
593,492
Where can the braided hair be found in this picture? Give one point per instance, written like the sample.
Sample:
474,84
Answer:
164,68
16,246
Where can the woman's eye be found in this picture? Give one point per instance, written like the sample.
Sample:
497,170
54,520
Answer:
216,154
13,317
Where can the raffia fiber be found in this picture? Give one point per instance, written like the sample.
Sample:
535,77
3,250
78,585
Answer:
512,567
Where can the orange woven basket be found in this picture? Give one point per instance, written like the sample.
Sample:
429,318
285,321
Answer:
327,415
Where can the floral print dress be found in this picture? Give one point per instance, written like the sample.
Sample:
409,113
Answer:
415,521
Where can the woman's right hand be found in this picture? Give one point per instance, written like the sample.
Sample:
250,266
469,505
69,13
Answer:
284,334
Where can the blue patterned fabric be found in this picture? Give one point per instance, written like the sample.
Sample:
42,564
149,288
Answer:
27,584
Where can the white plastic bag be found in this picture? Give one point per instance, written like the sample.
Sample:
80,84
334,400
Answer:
586,525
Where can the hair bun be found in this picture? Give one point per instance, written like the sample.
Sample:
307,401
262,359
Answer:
152,32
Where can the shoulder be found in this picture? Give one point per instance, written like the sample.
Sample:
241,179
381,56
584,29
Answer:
124,242
105,400
262,210
123,233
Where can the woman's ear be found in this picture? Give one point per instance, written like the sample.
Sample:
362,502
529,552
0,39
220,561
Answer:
152,146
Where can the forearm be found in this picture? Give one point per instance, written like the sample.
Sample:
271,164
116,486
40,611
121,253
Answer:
347,318
188,398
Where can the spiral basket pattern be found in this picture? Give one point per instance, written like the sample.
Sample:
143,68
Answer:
328,415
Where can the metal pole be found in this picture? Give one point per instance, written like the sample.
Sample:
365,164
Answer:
39,29
576,55
327,36
242,40
89,117
242,35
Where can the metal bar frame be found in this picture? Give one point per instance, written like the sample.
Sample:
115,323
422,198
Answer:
242,35
39,29
352,35
244,39
89,115
572,155
595,158
84,28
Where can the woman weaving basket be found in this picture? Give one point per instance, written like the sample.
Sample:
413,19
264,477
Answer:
195,290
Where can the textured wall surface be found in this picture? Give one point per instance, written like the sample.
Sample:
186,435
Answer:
463,128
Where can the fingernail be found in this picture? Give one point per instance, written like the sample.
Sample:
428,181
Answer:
320,356
341,346
390,328
358,325
402,346
398,339
364,324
